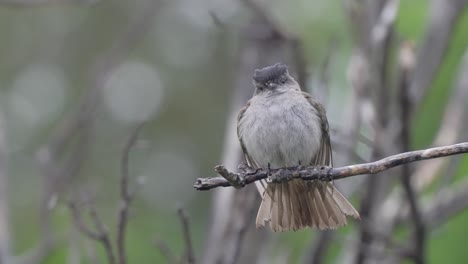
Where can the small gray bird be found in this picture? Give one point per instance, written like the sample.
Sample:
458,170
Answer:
281,126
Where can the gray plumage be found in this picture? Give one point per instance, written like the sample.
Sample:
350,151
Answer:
282,126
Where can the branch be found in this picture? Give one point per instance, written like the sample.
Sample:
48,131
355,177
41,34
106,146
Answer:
101,234
189,255
125,195
166,251
407,66
442,21
249,175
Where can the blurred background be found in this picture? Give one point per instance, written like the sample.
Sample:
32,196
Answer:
78,76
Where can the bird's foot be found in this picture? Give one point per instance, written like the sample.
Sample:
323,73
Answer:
324,173
246,169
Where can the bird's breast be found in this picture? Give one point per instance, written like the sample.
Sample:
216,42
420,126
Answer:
281,133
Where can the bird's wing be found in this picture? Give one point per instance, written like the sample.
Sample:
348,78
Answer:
261,185
333,200
324,155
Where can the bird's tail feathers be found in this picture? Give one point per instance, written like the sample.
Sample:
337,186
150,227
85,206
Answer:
298,204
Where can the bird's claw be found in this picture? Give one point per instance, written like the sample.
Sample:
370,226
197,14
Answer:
325,173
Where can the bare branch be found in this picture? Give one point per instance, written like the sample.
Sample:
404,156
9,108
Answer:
451,201
189,255
406,65
166,251
444,14
262,13
100,234
228,238
77,122
5,254
323,173
320,246
125,195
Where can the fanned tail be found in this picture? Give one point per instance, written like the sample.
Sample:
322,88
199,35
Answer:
297,205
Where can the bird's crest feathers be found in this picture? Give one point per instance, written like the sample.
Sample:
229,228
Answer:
270,73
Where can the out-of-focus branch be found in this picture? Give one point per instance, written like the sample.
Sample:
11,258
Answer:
263,15
136,28
100,234
438,209
320,245
321,88
77,123
5,256
126,196
444,15
263,42
424,174
250,175
279,32
451,125
451,201
189,254
166,251
372,22
407,65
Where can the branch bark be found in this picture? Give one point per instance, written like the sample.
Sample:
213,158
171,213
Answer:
249,175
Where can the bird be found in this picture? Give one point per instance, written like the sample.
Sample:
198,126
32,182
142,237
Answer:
282,126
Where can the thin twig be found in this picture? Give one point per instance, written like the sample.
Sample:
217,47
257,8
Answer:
100,234
125,195
406,59
190,256
443,16
166,251
267,18
5,228
228,240
102,229
324,173
320,246
451,201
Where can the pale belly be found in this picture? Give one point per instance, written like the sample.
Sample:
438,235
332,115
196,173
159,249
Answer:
281,134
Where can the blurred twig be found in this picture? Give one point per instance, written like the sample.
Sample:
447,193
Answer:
263,42
407,66
100,234
278,31
126,196
77,123
372,22
165,251
318,252
451,125
451,201
424,174
440,208
443,17
5,254
189,255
